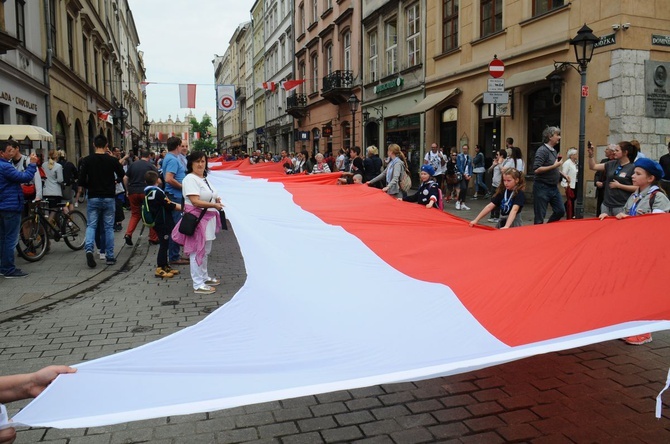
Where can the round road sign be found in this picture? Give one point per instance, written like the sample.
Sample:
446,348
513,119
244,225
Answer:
496,68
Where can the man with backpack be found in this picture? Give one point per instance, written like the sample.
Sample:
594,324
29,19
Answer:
134,184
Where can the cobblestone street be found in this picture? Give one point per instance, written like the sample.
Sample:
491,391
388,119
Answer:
600,393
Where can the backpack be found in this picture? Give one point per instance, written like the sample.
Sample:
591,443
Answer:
149,218
43,175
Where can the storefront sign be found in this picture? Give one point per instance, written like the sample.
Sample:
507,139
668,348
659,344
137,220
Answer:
660,40
605,40
396,83
657,89
327,131
303,135
23,103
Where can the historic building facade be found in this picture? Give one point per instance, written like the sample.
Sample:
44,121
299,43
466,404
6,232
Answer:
327,56
533,39
24,90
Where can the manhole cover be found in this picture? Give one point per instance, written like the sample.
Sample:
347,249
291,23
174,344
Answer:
170,303
140,329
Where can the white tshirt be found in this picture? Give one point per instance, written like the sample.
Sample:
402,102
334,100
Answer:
192,185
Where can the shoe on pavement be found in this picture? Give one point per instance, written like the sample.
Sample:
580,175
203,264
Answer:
180,261
90,260
129,240
475,197
464,207
491,219
213,282
161,272
102,256
110,261
458,204
153,242
169,269
639,339
17,273
205,289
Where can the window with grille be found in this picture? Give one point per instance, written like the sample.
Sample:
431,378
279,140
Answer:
391,47
413,17
449,25
373,57
491,17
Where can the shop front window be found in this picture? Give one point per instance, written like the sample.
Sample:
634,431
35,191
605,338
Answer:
406,132
544,109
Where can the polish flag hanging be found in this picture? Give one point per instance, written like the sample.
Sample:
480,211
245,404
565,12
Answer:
196,135
271,342
143,86
184,137
269,86
187,95
290,85
106,116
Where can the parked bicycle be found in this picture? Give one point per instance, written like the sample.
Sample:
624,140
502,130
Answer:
37,230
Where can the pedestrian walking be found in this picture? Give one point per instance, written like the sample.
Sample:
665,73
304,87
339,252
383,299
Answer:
99,173
174,171
464,167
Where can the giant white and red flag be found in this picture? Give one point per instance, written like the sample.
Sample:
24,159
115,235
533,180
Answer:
404,314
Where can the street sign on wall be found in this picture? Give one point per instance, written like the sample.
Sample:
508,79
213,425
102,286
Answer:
496,68
496,97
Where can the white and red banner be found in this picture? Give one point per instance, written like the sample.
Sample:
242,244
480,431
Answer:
143,86
106,116
187,95
268,86
411,307
196,135
290,85
225,97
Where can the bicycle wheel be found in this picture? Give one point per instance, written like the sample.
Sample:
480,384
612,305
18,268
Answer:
33,239
74,229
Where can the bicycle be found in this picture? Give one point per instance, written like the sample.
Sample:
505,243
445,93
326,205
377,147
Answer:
36,230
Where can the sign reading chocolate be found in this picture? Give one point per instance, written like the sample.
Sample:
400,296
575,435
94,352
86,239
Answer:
5,96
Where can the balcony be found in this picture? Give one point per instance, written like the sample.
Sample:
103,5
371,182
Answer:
338,86
296,105
241,93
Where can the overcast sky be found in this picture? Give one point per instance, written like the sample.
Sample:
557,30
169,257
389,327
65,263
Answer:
179,40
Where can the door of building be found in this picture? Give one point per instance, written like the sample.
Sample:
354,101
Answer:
544,109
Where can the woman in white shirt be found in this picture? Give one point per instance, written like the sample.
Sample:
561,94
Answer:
199,196
569,182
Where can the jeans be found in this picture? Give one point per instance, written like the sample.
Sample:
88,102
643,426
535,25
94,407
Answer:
479,183
10,222
463,186
173,248
544,194
100,207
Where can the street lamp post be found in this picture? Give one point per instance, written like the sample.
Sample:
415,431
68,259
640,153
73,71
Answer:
353,106
147,126
583,44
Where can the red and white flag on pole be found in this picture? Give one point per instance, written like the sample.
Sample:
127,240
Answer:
159,135
196,135
187,95
184,137
106,116
290,85
143,86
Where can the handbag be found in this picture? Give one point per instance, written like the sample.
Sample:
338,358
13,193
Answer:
459,176
405,181
189,222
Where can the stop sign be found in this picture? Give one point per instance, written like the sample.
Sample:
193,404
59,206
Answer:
496,68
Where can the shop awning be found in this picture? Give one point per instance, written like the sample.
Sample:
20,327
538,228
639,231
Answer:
431,101
531,76
21,132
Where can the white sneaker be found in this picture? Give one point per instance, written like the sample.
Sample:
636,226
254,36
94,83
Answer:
102,256
464,207
458,204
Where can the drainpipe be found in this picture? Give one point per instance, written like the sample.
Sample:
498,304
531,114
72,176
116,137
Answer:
47,66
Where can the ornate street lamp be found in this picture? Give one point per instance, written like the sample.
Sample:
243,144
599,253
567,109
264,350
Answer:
147,126
583,44
353,106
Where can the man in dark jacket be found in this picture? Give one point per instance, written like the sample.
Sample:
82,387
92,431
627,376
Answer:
99,174
11,205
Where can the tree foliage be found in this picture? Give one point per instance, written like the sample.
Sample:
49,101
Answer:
206,143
